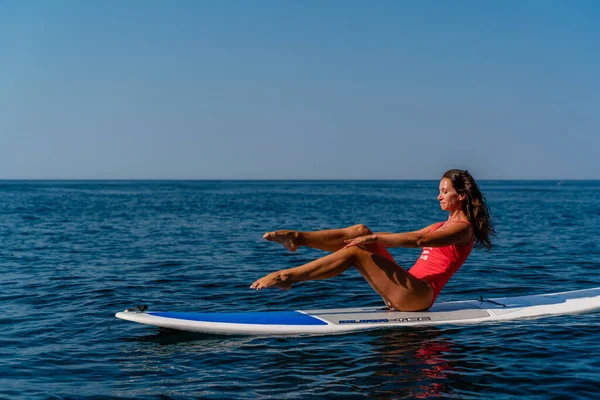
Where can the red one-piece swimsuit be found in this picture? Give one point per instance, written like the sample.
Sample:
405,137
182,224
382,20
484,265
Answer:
436,265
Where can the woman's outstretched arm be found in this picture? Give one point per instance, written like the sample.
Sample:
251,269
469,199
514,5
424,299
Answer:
453,234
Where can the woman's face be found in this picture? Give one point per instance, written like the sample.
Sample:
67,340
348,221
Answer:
449,199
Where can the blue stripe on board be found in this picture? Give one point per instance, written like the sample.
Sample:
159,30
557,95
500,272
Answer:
259,318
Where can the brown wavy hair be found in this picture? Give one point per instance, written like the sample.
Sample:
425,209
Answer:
474,206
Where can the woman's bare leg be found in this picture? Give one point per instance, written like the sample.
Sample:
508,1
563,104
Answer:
402,290
329,240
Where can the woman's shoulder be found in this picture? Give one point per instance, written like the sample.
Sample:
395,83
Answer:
462,225
463,221
432,228
451,223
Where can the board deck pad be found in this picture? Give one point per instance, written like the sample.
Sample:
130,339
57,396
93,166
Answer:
345,320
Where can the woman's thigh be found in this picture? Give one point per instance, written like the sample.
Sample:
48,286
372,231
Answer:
404,291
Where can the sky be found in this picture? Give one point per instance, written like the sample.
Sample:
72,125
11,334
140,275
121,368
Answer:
299,89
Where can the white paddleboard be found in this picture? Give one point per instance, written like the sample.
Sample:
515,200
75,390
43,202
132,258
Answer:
345,320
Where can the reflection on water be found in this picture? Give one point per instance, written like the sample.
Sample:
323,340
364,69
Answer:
399,363
165,336
412,363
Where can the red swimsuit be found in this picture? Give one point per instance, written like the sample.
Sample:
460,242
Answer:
436,265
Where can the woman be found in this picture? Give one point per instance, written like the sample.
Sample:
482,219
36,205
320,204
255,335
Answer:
446,246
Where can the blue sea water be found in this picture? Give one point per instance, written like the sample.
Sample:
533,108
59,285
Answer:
74,253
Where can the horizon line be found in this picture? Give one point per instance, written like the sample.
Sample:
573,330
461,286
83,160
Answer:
279,179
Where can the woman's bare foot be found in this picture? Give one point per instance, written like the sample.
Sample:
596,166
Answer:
275,279
288,239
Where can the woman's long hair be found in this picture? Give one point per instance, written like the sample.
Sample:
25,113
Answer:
474,206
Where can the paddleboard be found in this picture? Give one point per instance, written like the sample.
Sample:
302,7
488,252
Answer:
346,320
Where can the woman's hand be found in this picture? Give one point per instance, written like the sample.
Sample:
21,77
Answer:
360,240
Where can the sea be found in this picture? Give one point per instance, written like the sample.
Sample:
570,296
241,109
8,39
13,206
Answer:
73,253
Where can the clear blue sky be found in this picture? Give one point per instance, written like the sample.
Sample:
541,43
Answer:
299,89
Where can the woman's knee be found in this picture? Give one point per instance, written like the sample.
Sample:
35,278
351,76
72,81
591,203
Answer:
360,230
